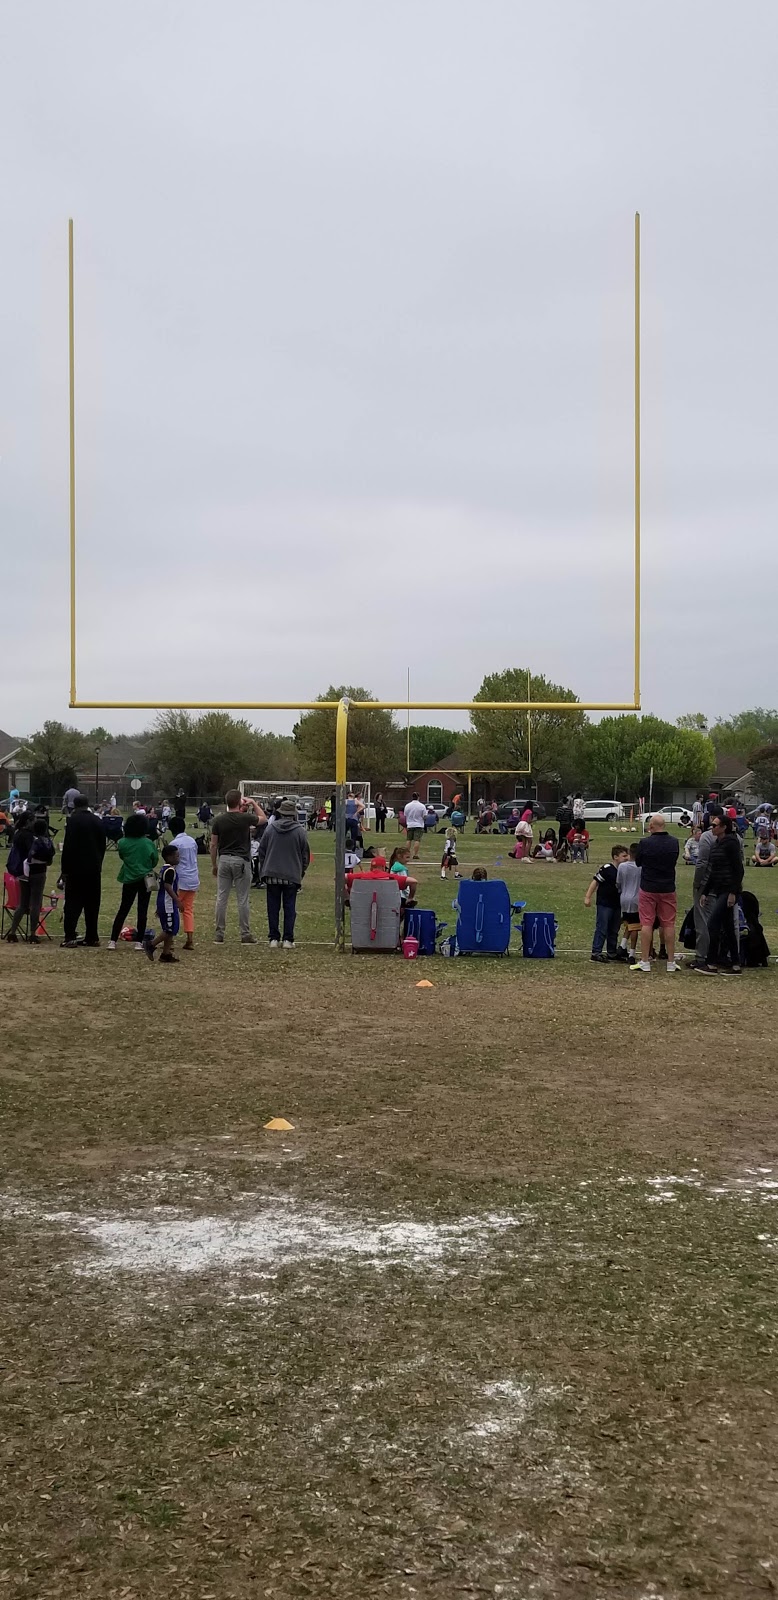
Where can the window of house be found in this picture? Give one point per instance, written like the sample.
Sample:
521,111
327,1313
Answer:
434,793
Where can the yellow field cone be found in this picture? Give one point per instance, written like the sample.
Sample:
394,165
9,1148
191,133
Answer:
424,983
279,1125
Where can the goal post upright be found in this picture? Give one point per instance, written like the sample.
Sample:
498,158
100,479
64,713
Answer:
342,708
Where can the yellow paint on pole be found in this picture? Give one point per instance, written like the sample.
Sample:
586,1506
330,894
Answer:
279,1125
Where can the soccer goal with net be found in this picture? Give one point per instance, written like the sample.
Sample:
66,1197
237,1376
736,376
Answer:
309,795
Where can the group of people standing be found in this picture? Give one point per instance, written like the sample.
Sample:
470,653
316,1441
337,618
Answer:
279,841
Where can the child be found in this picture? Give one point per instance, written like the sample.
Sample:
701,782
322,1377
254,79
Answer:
578,840
398,867
691,849
188,876
546,850
479,875
628,878
606,927
352,858
450,853
168,905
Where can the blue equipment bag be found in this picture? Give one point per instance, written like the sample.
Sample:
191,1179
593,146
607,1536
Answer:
484,920
538,935
424,926
457,819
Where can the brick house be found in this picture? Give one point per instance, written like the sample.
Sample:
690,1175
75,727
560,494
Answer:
438,785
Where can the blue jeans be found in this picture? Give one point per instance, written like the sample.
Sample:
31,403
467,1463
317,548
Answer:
278,893
606,929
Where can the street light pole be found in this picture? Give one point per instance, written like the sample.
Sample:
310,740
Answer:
97,776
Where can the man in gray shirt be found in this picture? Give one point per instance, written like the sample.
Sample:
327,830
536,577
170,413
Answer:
69,799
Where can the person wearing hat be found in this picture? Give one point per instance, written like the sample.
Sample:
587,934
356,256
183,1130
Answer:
284,856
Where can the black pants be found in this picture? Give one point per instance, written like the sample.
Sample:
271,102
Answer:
82,895
380,824
722,927
30,902
129,891
276,894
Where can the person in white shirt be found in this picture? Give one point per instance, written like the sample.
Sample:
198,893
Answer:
415,823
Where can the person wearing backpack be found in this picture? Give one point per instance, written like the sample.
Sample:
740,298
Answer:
32,882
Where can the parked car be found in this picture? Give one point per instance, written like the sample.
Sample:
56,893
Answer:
370,815
603,810
670,814
505,808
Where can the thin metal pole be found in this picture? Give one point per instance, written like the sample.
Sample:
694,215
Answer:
637,460
356,705
97,777
72,365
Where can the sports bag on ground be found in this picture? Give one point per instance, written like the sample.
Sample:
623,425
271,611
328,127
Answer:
424,926
538,935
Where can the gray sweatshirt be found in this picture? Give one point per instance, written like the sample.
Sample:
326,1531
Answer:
284,851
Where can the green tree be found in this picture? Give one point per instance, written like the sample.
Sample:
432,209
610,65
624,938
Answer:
693,722
499,738
430,744
745,732
620,752
211,753
54,755
764,765
376,747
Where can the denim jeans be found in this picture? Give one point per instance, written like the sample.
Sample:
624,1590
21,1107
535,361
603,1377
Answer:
278,894
606,929
233,872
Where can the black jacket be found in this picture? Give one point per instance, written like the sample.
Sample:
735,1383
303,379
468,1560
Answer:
84,846
726,866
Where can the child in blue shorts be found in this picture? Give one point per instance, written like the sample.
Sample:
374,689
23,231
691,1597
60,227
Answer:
167,907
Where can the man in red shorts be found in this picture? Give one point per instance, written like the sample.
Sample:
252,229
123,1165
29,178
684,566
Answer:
656,855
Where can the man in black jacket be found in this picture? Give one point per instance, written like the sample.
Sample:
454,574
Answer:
82,870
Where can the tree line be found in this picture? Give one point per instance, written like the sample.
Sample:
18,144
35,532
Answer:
204,754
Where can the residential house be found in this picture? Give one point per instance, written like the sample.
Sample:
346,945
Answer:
438,785
113,769
12,775
732,779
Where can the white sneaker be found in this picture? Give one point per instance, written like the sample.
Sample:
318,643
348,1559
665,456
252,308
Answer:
274,943
140,947
442,873
288,944
111,944
641,966
673,966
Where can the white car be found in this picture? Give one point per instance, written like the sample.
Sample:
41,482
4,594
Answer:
670,814
603,810
370,815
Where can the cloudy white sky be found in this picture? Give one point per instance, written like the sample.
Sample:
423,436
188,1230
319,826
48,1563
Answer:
354,347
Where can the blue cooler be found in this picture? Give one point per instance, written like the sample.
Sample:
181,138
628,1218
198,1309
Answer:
538,935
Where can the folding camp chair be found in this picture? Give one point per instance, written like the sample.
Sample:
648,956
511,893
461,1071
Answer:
11,899
50,903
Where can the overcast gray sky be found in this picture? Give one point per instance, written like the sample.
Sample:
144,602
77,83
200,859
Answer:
354,347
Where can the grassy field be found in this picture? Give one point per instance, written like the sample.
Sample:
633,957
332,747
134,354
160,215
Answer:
496,1317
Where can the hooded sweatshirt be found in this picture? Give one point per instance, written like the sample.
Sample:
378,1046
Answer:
284,852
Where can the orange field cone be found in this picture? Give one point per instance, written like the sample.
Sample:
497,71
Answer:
424,983
279,1125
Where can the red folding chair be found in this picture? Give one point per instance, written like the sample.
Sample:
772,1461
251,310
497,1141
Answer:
11,901
50,903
